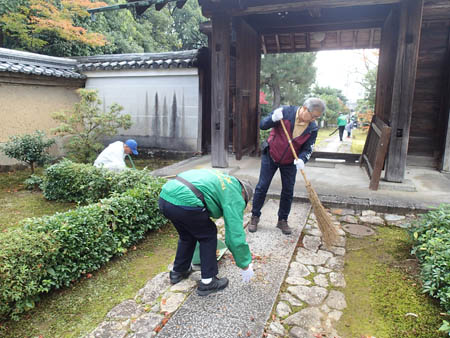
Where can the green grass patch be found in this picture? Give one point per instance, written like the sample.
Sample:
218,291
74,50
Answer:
383,290
79,309
323,134
16,203
358,140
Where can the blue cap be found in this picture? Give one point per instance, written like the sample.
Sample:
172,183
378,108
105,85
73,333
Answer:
132,144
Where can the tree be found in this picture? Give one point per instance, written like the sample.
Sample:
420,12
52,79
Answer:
287,77
331,114
29,148
186,23
319,91
87,125
369,83
33,24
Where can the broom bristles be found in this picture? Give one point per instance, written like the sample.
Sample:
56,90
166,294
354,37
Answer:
329,232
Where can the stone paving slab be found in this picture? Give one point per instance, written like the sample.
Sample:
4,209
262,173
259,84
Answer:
243,309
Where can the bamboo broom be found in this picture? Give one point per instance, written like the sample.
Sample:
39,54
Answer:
327,228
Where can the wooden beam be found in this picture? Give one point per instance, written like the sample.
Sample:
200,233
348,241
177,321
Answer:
308,40
220,70
263,43
371,34
292,42
354,38
404,84
264,6
277,42
322,27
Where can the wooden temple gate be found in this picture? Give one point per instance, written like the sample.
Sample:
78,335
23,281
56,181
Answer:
413,76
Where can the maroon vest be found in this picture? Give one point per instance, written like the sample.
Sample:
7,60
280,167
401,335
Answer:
279,148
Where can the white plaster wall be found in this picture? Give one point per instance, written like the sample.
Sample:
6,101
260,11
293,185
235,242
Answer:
164,105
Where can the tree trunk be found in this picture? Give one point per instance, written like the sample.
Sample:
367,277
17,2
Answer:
276,96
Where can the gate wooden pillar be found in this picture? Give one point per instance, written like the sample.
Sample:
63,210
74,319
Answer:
246,119
410,23
445,165
220,70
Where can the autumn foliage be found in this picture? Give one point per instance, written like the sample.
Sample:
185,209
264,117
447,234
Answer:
37,20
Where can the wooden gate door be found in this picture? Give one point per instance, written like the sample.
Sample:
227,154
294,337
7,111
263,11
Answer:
245,112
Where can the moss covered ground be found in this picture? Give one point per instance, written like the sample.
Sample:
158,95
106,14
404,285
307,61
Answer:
383,291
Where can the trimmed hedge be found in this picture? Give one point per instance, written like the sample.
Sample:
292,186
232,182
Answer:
25,257
53,251
431,235
68,181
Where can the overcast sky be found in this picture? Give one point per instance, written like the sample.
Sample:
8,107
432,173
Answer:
343,69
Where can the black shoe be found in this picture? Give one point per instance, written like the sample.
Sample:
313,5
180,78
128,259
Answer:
176,277
284,227
253,226
215,285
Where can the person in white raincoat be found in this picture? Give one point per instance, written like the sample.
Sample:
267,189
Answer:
113,156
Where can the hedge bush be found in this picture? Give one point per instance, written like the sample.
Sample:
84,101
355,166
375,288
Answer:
75,182
25,257
53,251
431,235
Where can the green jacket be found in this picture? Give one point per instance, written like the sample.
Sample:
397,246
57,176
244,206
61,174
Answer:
342,120
223,197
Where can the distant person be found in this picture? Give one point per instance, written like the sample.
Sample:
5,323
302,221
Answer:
341,122
348,128
113,156
189,201
302,128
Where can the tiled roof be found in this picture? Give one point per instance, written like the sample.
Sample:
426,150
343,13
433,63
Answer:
183,59
37,64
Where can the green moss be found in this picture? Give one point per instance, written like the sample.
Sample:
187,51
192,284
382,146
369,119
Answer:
382,288
76,311
18,205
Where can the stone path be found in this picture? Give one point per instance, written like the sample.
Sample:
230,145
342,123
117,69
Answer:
310,275
333,145
243,309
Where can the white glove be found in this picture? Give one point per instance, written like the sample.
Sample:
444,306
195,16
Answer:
247,274
277,115
299,164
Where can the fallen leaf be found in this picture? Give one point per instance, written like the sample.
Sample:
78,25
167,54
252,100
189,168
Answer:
164,321
163,301
89,275
249,333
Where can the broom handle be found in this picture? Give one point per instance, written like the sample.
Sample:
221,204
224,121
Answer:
292,148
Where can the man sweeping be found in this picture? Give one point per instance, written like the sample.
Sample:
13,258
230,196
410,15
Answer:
189,201
300,122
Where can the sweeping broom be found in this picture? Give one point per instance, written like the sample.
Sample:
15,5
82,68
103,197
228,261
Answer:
329,233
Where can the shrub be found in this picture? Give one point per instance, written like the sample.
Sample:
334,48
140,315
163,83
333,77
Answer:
431,236
25,258
84,183
87,124
29,148
75,182
34,182
53,251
